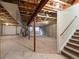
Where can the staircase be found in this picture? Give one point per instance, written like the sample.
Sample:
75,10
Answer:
71,50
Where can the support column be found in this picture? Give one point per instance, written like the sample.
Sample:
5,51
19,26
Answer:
34,34
29,32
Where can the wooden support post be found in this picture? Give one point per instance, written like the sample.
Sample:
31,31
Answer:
34,34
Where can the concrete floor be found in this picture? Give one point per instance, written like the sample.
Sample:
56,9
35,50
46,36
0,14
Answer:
15,47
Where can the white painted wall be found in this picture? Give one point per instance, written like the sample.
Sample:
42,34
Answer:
10,30
64,19
51,30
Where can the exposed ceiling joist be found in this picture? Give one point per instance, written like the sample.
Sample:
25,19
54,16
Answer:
40,6
61,2
30,3
11,1
46,17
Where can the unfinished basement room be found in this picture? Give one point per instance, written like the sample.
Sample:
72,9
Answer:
39,29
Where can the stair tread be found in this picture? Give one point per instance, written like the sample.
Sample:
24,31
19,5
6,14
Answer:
71,50
76,32
69,54
75,50
76,35
73,44
74,39
77,29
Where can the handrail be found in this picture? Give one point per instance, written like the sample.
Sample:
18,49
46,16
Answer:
68,26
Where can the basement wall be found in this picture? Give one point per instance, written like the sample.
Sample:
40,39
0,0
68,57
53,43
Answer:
11,30
50,30
64,18
0,29
1,26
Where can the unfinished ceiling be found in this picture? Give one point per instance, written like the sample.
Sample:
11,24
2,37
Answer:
29,8
11,1
5,16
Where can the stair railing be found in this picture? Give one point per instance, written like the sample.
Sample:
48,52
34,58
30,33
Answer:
68,26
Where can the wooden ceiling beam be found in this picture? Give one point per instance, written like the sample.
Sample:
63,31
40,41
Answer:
24,7
25,14
73,1
40,6
27,9
45,9
11,1
31,3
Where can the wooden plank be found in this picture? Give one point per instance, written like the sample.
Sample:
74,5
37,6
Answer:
26,9
30,2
